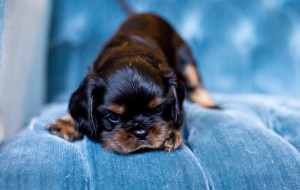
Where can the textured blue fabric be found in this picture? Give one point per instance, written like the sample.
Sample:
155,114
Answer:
36,159
240,46
254,140
252,144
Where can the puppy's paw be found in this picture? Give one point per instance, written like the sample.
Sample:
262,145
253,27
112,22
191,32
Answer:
203,98
173,142
64,128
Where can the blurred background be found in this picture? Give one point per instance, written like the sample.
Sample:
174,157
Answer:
46,47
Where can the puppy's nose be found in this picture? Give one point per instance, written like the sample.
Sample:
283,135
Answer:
141,134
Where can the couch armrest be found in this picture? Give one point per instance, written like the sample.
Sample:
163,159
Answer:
22,66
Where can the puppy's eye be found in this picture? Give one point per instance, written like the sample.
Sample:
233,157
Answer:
113,118
158,110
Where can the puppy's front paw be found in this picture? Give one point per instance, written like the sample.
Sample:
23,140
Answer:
64,128
174,141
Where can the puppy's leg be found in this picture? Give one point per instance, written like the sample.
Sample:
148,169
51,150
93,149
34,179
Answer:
65,128
188,71
196,91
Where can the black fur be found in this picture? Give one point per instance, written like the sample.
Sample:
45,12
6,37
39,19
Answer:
141,62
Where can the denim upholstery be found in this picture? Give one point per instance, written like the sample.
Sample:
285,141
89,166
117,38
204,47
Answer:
249,145
240,46
245,51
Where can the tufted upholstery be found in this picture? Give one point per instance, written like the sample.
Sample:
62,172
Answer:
252,144
240,46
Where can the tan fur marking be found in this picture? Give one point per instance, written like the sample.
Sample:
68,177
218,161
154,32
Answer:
199,95
116,108
65,128
158,134
174,141
191,75
124,142
202,97
155,102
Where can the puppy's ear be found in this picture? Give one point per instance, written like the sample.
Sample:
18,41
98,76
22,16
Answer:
81,105
177,90
178,93
180,90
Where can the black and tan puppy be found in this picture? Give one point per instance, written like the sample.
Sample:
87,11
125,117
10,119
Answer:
132,97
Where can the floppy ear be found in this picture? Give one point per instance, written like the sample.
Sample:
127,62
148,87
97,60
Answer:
180,90
178,93
81,105
177,90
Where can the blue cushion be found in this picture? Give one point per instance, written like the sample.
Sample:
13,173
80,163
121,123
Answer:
240,46
253,143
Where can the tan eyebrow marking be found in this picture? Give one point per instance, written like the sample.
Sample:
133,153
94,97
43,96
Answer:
155,102
116,108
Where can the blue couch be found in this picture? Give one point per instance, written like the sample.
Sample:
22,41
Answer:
248,54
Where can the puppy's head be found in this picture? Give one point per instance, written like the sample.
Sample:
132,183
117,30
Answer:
129,105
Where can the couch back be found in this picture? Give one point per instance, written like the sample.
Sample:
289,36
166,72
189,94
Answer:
240,46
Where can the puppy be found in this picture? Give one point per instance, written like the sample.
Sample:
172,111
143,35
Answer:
132,97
